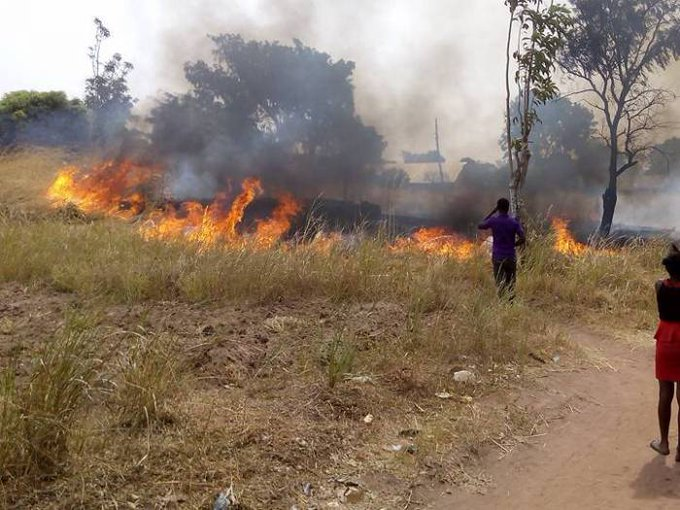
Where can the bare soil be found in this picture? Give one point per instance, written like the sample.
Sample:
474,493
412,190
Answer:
584,443
595,451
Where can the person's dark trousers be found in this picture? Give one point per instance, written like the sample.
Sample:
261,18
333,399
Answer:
505,273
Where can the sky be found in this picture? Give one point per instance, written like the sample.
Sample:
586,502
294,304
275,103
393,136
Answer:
415,60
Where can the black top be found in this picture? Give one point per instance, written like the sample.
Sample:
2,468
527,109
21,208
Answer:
668,298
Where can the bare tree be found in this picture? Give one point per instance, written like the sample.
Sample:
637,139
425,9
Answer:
541,32
106,93
617,45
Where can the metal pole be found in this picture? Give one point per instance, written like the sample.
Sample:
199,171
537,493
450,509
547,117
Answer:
439,154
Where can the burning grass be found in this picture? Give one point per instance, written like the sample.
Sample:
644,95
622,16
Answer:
181,367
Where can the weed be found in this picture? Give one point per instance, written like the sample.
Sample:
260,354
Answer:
149,377
339,357
38,419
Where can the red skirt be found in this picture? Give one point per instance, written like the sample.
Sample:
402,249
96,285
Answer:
668,351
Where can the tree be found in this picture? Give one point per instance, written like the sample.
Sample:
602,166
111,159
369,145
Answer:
41,118
664,160
284,112
106,93
541,33
564,148
615,48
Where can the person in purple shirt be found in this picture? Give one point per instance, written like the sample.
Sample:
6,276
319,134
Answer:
507,235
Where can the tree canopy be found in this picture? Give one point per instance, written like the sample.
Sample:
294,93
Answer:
272,109
664,160
614,49
41,118
542,30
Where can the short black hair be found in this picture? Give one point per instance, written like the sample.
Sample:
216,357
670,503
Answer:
672,264
503,205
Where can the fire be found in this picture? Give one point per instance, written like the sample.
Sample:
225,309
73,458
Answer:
127,189
121,190
270,231
438,241
110,188
564,241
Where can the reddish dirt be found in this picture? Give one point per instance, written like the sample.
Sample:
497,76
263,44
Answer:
596,456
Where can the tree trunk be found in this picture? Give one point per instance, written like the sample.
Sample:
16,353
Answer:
517,180
609,199
610,195
514,187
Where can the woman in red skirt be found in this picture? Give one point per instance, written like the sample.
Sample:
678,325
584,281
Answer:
668,348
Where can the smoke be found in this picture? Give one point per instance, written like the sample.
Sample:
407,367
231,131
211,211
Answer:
415,61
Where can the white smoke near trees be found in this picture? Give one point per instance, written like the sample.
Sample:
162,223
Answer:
415,61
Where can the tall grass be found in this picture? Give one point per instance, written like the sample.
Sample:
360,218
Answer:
441,314
108,258
149,377
37,418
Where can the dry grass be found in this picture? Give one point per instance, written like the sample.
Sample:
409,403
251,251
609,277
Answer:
125,409
38,417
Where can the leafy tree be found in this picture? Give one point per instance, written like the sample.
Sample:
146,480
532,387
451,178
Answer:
106,93
564,147
392,178
42,118
615,48
664,160
285,112
541,33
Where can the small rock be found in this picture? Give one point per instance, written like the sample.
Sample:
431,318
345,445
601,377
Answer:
353,495
225,500
464,376
368,419
307,489
393,448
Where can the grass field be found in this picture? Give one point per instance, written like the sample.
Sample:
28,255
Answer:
148,374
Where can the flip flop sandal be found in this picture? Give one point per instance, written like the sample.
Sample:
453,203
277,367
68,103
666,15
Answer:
655,445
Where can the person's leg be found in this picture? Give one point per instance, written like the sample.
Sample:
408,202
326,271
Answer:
666,391
677,451
498,275
511,266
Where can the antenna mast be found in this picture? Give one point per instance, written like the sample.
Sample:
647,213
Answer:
439,154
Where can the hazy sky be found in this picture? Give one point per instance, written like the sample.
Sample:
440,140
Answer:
415,60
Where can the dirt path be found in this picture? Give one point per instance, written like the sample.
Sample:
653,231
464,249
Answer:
597,456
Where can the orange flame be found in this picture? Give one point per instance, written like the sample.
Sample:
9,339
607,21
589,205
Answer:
564,241
119,190
438,241
271,230
110,188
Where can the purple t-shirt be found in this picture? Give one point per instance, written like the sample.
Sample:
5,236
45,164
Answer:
505,232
